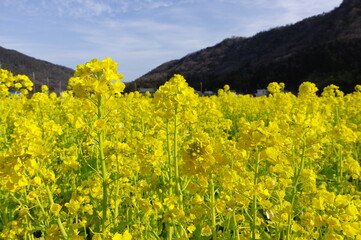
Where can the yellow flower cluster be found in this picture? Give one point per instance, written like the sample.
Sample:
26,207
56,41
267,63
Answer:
9,82
95,163
97,77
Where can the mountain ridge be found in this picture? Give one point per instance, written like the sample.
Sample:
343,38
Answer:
39,71
279,54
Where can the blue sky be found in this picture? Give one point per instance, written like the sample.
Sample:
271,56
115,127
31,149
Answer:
139,34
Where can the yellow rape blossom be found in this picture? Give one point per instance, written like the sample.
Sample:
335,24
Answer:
55,208
96,163
97,77
125,236
275,87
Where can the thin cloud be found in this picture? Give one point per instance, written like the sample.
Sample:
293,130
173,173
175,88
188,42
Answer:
296,10
15,44
25,6
88,8
267,14
133,35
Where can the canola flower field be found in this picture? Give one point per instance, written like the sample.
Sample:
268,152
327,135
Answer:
95,163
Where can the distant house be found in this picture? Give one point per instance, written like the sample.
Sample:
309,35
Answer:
208,93
235,92
261,92
144,90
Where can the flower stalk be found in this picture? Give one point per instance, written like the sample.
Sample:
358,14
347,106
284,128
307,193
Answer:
101,158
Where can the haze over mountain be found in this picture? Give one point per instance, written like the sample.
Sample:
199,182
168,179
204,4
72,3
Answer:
39,71
324,49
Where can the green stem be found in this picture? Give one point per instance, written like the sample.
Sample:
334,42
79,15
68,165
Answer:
170,173
254,202
236,225
176,163
40,205
294,192
340,170
213,207
117,197
60,224
27,216
170,180
4,205
101,158
169,231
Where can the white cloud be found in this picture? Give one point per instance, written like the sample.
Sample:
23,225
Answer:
81,8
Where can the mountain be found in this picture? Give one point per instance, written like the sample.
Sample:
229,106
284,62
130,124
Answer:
323,49
40,72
